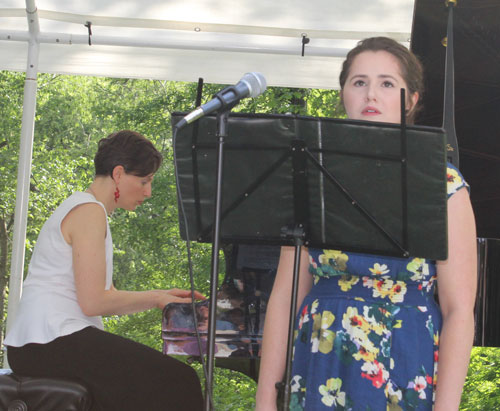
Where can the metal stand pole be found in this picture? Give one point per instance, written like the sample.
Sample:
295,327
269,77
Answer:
298,234
214,275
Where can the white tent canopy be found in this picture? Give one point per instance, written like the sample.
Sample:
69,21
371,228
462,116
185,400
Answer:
184,40
180,40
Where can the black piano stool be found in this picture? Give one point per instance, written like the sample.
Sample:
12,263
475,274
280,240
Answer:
18,393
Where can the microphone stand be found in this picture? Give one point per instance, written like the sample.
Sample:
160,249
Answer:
226,104
221,133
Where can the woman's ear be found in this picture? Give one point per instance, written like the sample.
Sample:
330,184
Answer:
413,100
117,173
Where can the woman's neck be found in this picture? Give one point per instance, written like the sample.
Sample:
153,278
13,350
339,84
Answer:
102,188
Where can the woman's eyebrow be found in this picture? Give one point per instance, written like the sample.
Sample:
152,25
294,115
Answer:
359,76
387,76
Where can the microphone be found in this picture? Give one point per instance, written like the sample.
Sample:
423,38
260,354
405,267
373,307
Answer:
251,85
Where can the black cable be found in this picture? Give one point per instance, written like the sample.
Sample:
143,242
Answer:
88,24
190,267
305,40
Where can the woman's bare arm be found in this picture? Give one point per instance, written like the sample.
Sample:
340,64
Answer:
273,358
84,228
457,282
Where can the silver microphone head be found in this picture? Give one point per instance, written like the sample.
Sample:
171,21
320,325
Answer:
255,82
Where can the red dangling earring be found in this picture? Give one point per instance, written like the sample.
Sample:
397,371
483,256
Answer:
117,194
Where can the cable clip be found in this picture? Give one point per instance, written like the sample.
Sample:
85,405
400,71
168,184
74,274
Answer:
305,40
88,24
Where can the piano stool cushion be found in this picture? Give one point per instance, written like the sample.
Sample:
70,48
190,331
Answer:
18,393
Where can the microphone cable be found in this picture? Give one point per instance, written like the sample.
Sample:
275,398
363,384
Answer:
208,387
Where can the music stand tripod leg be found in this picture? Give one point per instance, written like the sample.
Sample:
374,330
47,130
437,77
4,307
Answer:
298,234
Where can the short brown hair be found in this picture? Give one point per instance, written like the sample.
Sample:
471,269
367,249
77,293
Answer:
409,64
129,149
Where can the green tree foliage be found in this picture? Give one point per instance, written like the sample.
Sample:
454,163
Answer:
482,387
11,92
73,113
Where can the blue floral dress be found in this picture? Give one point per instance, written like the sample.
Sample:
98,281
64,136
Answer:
367,334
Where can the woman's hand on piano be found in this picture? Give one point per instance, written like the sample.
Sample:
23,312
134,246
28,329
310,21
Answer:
175,295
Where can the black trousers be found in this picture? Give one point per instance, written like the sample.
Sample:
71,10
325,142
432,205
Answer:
121,374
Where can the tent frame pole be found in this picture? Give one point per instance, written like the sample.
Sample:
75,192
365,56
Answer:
24,167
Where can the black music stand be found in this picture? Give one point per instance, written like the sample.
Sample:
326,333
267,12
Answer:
357,186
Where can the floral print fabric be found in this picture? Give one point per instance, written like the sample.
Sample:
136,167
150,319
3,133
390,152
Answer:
367,334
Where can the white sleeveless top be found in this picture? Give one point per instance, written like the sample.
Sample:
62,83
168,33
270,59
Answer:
49,308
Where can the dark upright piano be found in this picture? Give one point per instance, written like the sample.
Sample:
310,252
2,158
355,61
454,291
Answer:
477,123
